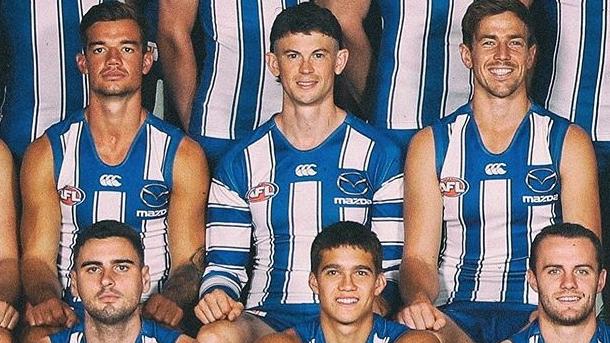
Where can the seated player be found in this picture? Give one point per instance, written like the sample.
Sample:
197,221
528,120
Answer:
109,276
308,167
566,270
347,276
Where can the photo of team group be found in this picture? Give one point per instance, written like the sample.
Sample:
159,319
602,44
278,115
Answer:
277,171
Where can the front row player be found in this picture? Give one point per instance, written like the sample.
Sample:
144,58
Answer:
566,271
347,276
109,276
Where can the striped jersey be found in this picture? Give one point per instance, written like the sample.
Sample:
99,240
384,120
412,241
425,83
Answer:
136,191
495,204
572,76
533,335
420,76
152,332
383,331
236,92
43,83
272,199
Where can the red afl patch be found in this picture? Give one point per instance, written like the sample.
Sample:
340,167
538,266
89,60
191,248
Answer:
453,186
262,192
71,196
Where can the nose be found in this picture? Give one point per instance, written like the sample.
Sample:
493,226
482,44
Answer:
568,281
114,56
347,283
305,67
502,52
107,278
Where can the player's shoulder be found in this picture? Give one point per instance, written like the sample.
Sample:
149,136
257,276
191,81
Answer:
162,334
539,110
386,328
65,124
235,154
164,126
383,144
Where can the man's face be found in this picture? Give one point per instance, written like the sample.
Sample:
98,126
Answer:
347,285
114,59
109,279
306,65
567,280
499,57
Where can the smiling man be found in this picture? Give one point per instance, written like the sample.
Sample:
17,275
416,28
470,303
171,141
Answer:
566,270
308,167
109,276
482,183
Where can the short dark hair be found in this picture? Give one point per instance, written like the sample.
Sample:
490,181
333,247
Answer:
566,230
480,9
305,18
112,11
107,229
346,234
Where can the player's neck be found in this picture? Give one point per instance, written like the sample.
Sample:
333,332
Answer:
125,332
498,119
580,333
306,127
339,333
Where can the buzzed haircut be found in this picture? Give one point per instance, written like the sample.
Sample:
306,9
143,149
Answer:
112,11
108,229
566,230
480,9
306,18
346,234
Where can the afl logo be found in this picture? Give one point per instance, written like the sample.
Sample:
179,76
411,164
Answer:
71,196
262,192
541,180
155,195
453,186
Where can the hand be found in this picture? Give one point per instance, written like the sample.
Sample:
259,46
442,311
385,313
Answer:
217,305
163,310
52,311
8,316
422,316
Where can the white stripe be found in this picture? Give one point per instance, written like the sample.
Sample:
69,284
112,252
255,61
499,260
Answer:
157,142
355,214
109,205
601,119
356,150
539,140
222,236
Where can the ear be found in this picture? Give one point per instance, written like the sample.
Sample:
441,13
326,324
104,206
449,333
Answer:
147,61
602,280
380,284
531,280
466,55
73,285
531,58
313,283
81,63
145,279
272,64
341,60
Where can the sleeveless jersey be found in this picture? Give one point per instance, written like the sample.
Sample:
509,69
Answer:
236,93
383,331
135,192
43,83
152,332
495,204
273,199
420,76
533,335
572,77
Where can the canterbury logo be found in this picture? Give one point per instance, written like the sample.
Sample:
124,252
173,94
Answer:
495,169
110,180
306,170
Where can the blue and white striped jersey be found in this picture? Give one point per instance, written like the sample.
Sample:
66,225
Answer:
271,199
420,76
43,82
383,331
572,77
236,93
495,204
151,332
533,335
136,191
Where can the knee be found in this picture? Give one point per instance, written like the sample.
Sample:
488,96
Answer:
222,331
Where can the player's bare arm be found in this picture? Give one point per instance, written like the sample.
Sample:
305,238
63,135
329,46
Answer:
423,216
176,21
579,190
40,239
186,234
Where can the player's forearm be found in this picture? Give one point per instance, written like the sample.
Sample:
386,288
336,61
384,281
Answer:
183,286
418,281
359,62
40,282
9,280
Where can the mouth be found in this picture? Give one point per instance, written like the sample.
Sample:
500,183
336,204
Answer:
347,300
501,72
108,297
307,83
113,74
569,299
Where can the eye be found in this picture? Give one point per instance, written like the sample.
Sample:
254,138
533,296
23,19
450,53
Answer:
554,271
128,49
332,272
98,50
517,43
122,267
318,55
93,269
362,272
291,56
488,43
582,271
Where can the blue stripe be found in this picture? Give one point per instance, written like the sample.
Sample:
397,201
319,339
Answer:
546,25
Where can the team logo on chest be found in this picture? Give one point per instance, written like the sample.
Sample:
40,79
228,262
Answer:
495,169
541,180
109,180
71,196
262,192
353,183
155,195
306,170
453,186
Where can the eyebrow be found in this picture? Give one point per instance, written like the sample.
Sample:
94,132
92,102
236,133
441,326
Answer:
99,264
123,42
337,266
561,266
